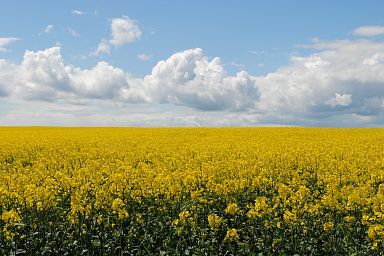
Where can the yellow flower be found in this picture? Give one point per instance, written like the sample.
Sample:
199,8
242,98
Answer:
99,219
349,218
259,208
231,235
328,226
118,208
365,219
139,218
232,209
39,206
289,216
175,222
117,204
11,217
185,216
376,231
214,221
284,191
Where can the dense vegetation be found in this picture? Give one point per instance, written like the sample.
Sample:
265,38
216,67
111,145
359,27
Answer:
191,191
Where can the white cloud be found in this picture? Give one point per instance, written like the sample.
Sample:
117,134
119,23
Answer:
124,31
189,78
317,85
340,100
368,31
102,48
102,81
186,78
7,74
375,59
49,28
5,41
72,32
78,12
341,83
144,57
42,75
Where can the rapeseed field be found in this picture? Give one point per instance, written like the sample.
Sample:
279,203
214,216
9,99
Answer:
191,191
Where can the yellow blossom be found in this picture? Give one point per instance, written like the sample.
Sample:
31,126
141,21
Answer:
232,209
214,221
185,216
231,235
328,226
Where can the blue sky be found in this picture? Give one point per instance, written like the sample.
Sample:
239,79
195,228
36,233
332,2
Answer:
196,63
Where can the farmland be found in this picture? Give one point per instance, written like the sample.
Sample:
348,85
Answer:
191,191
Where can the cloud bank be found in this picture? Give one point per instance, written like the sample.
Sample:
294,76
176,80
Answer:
340,84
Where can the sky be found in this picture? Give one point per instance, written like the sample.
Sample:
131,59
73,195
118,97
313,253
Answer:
192,63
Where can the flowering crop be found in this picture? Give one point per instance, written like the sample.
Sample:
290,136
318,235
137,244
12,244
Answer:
192,191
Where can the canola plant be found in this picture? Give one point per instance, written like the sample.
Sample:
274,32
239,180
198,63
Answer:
191,191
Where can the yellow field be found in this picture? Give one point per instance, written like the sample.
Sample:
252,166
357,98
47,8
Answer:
191,191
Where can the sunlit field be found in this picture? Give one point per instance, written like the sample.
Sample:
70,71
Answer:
191,191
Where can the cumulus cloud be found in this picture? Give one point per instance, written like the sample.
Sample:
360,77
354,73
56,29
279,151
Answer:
187,78
341,83
323,84
49,28
5,41
102,81
123,31
42,75
368,31
191,79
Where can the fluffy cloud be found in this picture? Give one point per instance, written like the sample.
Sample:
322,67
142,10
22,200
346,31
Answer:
191,79
124,31
341,83
369,31
322,85
42,75
102,81
4,41
187,78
